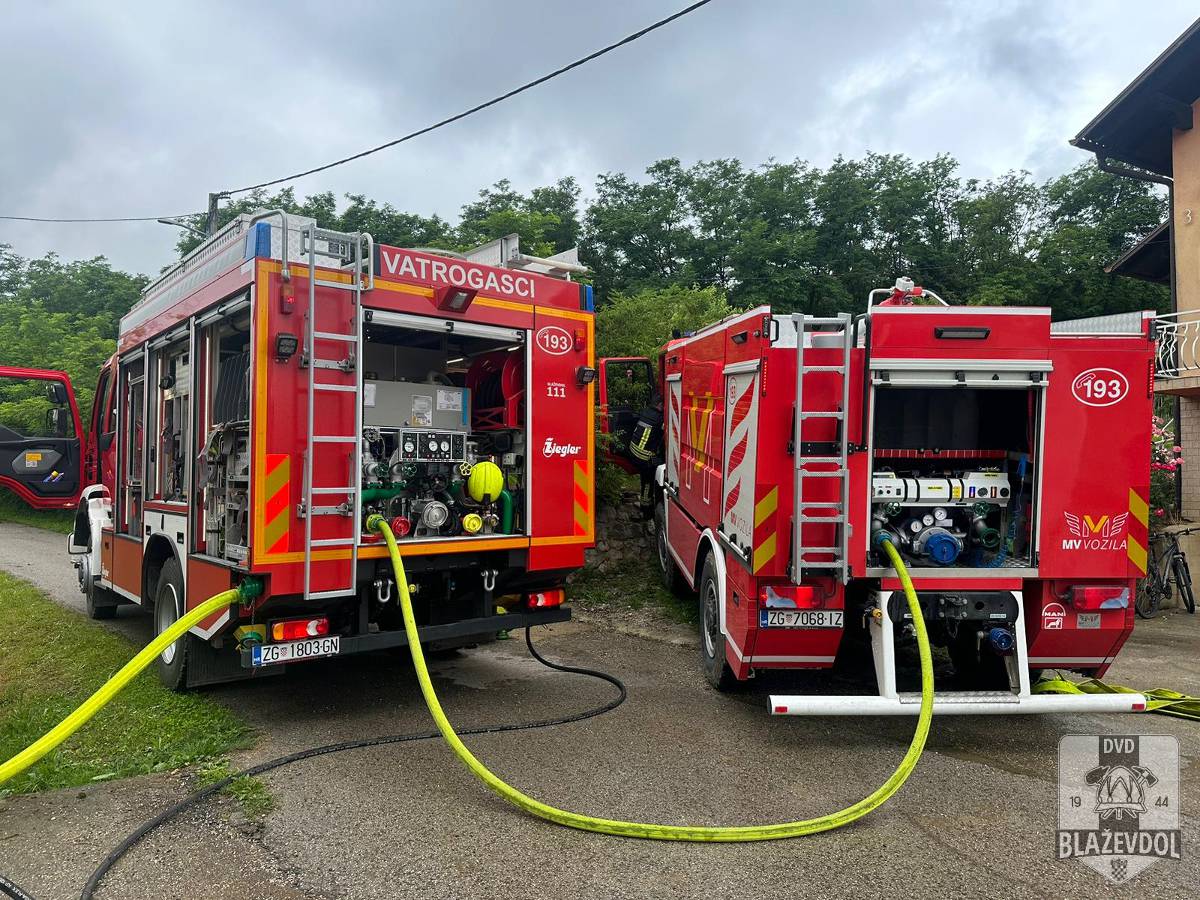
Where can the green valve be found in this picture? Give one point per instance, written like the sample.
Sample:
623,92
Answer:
250,590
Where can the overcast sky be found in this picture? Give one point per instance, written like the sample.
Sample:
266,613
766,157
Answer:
138,108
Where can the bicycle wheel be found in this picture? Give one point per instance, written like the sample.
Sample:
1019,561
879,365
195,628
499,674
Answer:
1183,578
1150,592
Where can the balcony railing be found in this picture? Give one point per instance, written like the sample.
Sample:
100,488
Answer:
1178,350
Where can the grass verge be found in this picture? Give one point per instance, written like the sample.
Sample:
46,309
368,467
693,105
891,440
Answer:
250,792
51,659
13,509
635,585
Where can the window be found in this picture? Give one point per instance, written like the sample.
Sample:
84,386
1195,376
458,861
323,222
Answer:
34,408
173,417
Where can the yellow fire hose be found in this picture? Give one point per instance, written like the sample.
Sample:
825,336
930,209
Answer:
671,832
1159,700
113,686
89,707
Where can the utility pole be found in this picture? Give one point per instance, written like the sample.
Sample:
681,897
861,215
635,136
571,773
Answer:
211,226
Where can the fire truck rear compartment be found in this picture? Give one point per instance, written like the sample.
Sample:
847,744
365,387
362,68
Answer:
952,477
444,437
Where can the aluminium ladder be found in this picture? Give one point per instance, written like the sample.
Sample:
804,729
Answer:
349,510
832,459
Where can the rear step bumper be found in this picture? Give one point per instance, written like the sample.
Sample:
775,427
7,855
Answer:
486,626
956,704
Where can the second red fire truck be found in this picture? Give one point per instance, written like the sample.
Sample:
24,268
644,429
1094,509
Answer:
1006,457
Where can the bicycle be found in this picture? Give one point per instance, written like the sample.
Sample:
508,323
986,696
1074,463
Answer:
1168,569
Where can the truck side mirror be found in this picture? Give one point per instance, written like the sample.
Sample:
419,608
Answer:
56,393
56,422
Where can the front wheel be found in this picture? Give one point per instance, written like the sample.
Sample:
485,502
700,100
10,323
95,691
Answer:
99,602
712,641
667,570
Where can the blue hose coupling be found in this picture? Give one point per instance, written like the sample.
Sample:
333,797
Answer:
881,537
1001,639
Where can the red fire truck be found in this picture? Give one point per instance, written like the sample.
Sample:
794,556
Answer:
281,383
1006,457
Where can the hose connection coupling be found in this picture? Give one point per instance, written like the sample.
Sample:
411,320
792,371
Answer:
249,590
880,537
375,522
1001,639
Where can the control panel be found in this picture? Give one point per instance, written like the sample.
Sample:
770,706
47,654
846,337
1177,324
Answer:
433,446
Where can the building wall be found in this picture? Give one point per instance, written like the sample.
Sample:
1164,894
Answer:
1186,171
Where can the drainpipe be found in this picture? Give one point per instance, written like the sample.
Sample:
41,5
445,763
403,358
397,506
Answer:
1106,166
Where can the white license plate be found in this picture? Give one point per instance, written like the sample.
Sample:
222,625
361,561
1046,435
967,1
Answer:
291,651
800,618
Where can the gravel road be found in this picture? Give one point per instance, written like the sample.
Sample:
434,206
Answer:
976,819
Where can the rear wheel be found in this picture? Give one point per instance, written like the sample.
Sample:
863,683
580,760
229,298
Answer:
712,641
1150,594
1183,579
168,608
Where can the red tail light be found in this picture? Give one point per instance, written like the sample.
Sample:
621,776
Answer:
788,596
546,598
1100,596
295,629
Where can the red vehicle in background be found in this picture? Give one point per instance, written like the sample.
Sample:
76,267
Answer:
279,385
1004,456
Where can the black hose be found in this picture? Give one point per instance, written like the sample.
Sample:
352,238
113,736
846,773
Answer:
204,793
8,889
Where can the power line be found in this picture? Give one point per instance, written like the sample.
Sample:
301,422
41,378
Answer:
110,219
629,39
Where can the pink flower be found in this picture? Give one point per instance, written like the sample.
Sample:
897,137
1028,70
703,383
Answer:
1159,512
1176,449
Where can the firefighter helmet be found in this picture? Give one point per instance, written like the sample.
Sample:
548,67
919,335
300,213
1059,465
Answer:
485,482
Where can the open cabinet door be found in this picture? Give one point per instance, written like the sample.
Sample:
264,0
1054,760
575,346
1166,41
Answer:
41,460
627,389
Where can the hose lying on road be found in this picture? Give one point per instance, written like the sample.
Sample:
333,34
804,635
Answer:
93,704
1159,700
671,832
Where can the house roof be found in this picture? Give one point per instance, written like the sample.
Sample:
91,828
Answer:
1138,125
1149,259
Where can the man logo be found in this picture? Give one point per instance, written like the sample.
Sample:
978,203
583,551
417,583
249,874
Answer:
1118,802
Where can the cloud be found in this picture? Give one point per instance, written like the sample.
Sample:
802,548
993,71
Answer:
143,108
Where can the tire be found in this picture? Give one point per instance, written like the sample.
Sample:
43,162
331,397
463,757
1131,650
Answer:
168,607
668,572
1183,578
712,642
99,602
1149,597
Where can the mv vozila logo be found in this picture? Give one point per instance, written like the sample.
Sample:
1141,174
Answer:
1118,802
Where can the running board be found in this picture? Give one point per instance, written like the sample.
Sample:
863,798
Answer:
967,704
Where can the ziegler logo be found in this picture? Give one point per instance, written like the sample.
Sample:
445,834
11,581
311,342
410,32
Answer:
1100,387
1104,533
555,340
552,448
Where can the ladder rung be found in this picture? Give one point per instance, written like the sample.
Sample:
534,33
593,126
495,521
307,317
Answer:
334,439
335,336
806,414
820,459
833,520
333,490
331,364
824,369
827,320
824,504
832,564
332,542
321,595
833,473
345,388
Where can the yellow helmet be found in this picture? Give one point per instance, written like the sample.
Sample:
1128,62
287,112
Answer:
485,482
